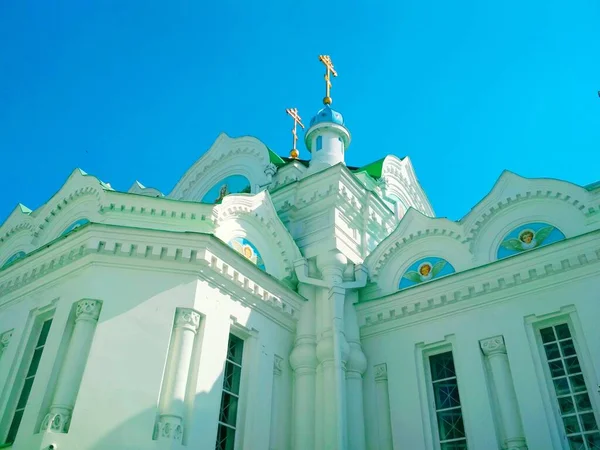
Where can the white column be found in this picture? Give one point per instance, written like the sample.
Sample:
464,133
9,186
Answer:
495,351
303,360
58,418
172,396
384,423
275,401
355,368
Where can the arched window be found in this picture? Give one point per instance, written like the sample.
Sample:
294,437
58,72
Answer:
13,258
74,226
319,142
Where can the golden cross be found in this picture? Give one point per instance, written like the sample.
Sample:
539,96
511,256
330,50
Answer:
293,113
325,59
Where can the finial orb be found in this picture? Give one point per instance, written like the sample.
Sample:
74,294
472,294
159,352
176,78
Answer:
294,153
327,101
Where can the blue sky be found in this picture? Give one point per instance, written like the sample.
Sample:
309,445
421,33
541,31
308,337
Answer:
139,90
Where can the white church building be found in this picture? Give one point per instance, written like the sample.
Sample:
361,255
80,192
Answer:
271,303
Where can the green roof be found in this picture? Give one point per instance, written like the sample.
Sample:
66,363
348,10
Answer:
593,186
374,169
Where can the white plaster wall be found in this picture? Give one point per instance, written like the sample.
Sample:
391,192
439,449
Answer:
117,403
397,348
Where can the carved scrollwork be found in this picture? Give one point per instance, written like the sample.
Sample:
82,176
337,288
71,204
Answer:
493,345
57,420
88,309
5,340
277,365
381,372
187,318
169,427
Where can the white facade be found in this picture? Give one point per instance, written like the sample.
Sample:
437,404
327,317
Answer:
343,311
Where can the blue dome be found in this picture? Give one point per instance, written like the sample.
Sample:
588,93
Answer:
327,115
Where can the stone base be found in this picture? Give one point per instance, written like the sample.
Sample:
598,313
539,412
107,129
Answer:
515,444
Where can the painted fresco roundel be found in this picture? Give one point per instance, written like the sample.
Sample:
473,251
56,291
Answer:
425,269
527,237
246,248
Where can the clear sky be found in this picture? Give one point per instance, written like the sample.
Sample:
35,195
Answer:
140,89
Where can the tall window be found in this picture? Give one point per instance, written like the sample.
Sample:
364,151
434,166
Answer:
28,382
447,402
231,394
319,142
580,424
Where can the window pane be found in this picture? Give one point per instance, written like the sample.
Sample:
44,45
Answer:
44,332
576,443
583,402
571,424
577,383
562,331
567,347
556,368
451,425
14,427
547,335
573,366
446,394
25,393
593,441
231,378
552,351
588,421
225,438
566,405
234,349
35,362
228,413
442,366
561,386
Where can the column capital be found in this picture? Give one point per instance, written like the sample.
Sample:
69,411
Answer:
88,309
57,420
187,318
277,365
381,372
5,340
492,346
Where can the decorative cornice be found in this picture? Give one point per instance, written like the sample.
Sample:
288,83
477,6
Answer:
198,253
543,263
277,365
188,319
493,345
381,372
5,340
88,310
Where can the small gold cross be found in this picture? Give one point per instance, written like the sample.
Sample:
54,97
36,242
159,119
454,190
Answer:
325,59
293,113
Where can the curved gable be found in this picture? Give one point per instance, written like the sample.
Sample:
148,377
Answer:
402,187
514,202
253,218
228,157
417,239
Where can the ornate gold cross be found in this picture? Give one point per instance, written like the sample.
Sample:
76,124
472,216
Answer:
293,112
329,70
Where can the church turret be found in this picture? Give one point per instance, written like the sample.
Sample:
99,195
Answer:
326,138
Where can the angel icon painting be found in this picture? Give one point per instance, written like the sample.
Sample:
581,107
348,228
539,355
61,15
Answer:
528,237
246,248
425,270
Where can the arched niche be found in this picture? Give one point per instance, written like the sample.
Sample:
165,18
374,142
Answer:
14,258
74,226
424,270
247,249
232,184
528,236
